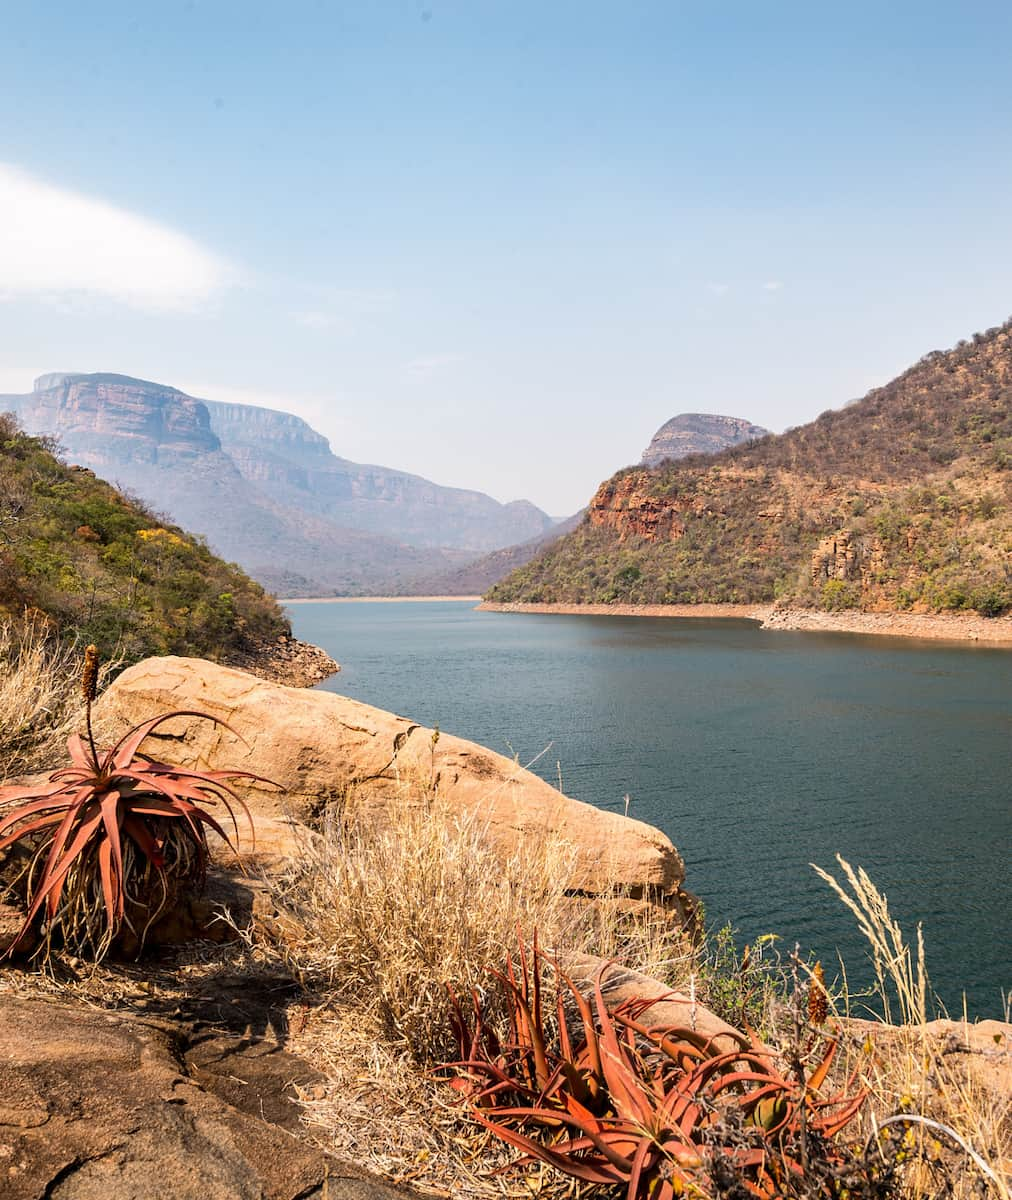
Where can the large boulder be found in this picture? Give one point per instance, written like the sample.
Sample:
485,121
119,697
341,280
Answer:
321,748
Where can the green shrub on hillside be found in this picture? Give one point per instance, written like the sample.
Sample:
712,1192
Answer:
103,567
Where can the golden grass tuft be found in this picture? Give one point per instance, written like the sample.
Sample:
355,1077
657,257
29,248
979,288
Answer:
40,697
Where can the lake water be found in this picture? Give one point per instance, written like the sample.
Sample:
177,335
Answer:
756,752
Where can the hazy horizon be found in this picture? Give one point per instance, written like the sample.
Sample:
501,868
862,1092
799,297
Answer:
498,246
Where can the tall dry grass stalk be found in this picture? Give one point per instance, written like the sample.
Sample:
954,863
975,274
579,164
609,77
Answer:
40,697
899,973
918,1077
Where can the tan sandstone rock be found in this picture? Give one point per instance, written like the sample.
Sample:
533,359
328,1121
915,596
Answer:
320,747
98,1105
671,1008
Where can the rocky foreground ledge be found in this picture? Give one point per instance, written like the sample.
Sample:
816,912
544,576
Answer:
954,627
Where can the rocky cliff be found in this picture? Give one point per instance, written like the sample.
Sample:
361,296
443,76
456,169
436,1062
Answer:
900,501
698,433
265,488
294,464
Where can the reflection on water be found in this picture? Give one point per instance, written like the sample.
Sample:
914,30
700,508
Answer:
756,752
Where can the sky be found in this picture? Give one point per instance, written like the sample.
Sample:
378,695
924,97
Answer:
499,244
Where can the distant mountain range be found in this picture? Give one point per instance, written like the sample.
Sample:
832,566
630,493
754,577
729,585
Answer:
475,578
698,433
266,490
899,501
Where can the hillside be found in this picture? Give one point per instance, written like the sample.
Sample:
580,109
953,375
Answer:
106,568
265,488
698,433
899,501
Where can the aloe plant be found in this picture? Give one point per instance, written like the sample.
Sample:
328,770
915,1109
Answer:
110,839
654,1109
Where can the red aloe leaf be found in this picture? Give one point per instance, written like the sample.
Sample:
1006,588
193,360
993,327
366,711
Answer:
144,839
11,795
588,1172
565,1041
80,754
830,1126
590,1126
31,827
638,1162
111,821
734,1077
818,1076
623,1085
591,1043
112,885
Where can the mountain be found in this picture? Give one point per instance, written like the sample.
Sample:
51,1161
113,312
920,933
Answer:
474,578
265,488
95,565
289,461
901,500
698,433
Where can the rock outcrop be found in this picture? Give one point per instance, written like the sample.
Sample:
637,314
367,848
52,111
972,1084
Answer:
322,748
100,1105
698,433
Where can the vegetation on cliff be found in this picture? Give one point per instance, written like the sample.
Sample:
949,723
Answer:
900,501
99,565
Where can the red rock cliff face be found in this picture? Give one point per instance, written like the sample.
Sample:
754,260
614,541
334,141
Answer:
622,506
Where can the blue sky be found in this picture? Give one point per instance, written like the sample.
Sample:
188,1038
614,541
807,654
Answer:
499,244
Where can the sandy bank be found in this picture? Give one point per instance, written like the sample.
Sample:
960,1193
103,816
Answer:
372,599
956,627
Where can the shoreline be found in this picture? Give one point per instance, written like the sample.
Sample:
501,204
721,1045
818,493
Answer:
995,632
371,599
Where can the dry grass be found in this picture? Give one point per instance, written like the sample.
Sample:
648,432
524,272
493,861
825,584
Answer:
377,918
386,914
40,697
956,1131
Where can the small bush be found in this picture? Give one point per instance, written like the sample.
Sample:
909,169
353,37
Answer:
837,595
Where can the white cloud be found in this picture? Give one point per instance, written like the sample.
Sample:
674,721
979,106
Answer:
60,245
772,285
429,364
718,289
